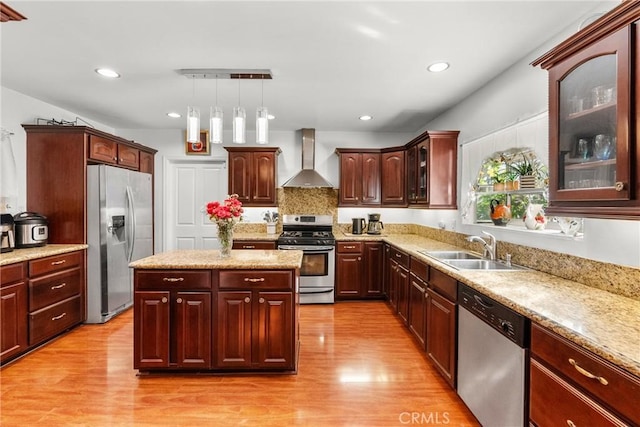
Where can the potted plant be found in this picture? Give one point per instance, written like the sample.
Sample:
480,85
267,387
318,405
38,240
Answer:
497,171
526,170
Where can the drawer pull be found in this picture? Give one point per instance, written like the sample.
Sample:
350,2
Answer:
249,247
58,262
247,300
588,374
349,247
173,279
571,423
398,256
59,317
259,279
61,285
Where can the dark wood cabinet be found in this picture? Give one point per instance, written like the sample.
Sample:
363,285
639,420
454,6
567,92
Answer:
253,174
432,170
172,319
399,283
57,159
359,177
254,244
359,270
13,311
147,162
441,329
594,99
394,187
417,317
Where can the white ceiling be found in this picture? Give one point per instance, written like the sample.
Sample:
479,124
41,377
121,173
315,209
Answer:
332,61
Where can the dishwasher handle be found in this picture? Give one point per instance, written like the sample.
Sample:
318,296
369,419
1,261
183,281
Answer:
482,302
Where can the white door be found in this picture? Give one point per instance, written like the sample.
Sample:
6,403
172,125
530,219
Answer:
190,184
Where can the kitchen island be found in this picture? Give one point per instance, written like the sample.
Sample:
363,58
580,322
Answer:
197,312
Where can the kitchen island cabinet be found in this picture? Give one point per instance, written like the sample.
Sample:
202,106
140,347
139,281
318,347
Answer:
195,311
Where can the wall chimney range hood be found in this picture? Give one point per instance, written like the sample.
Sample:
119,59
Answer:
308,177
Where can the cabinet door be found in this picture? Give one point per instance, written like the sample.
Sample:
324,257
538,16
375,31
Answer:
13,320
350,178
128,156
393,285
370,178
412,186
441,169
240,175
590,112
263,184
417,308
348,275
193,329
441,335
234,330
146,162
103,150
393,178
275,330
402,293
422,173
151,333
373,269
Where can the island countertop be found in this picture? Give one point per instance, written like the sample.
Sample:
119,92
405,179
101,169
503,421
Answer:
210,259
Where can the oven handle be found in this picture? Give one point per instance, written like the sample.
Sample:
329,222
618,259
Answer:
310,249
326,291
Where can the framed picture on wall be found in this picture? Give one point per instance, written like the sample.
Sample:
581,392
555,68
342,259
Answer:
198,148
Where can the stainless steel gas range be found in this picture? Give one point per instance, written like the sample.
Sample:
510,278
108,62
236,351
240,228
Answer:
312,234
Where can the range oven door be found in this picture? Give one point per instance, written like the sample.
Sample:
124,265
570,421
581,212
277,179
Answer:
317,273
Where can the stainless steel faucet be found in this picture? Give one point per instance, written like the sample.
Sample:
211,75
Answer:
489,248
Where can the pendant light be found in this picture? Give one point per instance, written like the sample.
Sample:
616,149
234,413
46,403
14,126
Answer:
215,121
239,117
262,121
193,119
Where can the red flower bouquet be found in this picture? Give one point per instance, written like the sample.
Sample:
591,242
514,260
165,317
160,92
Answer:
225,215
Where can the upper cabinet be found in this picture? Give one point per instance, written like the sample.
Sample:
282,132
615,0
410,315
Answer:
394,178
594,100
252,174
432,160
359,177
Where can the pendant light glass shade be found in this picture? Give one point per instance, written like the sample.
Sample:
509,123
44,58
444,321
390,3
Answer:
239,117
215,125
262,125
193,124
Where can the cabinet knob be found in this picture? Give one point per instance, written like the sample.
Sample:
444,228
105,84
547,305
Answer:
619,186
359,258
261,300
247,300
179,300
571,423
164,299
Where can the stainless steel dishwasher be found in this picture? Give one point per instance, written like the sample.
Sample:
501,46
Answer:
493,361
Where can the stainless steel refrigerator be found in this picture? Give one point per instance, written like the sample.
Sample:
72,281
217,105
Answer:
119,230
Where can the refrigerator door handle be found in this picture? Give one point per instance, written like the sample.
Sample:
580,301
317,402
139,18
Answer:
131,211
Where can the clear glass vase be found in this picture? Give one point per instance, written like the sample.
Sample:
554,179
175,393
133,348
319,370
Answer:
225,237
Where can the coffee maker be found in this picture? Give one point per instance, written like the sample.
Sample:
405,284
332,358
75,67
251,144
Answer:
374,226
7,230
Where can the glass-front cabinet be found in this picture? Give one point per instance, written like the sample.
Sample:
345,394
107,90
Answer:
593,114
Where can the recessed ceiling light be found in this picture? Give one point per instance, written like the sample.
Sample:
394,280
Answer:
174,115
438,66
107,73
365,118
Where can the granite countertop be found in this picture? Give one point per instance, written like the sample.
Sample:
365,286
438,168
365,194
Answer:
19,255
256,236
600,321
250,259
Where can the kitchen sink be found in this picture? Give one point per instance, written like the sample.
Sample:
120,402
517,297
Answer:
454,255
480,264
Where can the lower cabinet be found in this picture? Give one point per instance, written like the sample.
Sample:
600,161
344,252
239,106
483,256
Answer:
417,319
359,267
13,310
571,386
399,283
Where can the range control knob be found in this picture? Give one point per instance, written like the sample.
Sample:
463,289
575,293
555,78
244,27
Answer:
507,327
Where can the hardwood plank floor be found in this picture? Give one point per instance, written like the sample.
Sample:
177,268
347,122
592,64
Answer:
358,367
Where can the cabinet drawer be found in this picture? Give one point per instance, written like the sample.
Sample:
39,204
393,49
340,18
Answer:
128,156
253,244
49,321
555,403
50,289
419,269
246,279
172,279
400,257
621,390
349,247
443,284
52,264
102,149
12,273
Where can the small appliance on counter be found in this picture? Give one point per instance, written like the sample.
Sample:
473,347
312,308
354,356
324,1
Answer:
358,225
31,230
375,226
7,233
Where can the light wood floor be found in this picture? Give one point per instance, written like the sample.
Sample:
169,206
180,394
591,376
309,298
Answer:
358,367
